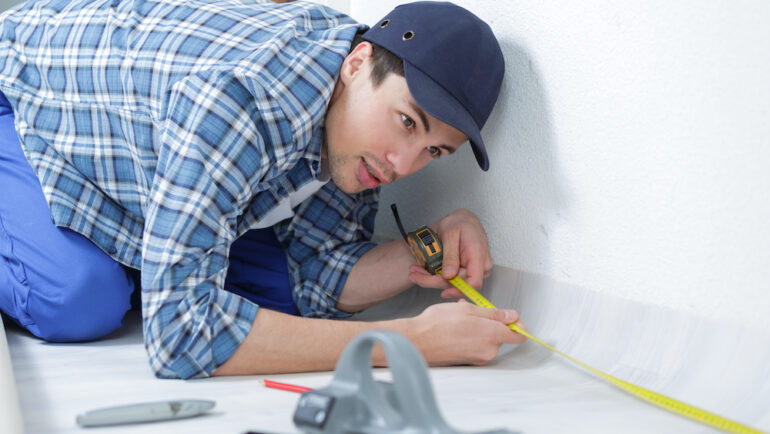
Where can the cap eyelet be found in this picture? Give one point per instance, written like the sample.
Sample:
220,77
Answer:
384,24
409,34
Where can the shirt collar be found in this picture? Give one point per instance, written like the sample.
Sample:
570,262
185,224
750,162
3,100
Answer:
313,155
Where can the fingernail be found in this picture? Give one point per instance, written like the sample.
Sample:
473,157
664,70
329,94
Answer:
511,316
449,270
412,279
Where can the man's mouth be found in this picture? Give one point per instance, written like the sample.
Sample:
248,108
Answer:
367,176
371,172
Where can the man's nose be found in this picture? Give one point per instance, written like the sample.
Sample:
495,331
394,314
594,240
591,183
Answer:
405,159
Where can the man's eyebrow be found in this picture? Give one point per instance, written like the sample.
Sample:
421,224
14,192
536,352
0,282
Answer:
448,148
421,114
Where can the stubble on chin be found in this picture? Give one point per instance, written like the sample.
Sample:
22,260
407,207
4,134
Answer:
345,182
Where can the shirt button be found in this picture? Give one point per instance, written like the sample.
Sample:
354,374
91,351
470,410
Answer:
112,250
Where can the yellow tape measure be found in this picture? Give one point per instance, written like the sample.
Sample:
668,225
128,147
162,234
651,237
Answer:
663,401
425,246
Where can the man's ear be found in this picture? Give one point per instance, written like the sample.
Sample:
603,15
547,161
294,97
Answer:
355,62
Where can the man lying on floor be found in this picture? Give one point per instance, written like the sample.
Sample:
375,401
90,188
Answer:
231,155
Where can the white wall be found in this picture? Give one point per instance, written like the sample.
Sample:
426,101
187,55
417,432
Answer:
630,151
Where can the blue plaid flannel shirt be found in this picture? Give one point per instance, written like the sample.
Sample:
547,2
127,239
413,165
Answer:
163,130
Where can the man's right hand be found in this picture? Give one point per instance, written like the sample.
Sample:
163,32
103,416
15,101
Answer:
446,334
461,333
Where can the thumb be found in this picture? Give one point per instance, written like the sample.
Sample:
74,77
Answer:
451,261
505,316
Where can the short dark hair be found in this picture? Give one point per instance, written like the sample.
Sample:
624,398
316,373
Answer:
383,61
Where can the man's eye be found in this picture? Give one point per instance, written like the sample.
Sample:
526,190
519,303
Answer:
435,151
407,121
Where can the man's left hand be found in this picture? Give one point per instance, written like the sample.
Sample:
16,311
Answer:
466,252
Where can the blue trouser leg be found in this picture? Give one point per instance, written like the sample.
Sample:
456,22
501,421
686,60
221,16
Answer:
53,281
62,287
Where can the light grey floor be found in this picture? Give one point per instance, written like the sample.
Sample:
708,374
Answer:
10,413
723,368
6,4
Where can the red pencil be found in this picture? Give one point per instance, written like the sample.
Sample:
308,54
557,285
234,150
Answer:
285,386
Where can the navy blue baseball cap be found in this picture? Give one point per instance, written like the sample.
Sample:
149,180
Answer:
452,63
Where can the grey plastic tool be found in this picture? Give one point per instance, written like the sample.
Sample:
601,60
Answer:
355,403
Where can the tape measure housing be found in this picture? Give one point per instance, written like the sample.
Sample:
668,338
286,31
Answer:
426,249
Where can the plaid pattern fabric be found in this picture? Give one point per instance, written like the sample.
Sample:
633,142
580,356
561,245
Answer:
163,130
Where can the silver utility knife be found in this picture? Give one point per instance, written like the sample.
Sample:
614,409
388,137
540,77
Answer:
144,412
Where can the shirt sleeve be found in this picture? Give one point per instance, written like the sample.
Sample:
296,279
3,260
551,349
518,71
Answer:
327,235
210,158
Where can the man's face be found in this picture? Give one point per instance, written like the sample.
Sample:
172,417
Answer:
377,135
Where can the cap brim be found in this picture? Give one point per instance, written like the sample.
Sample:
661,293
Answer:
434,99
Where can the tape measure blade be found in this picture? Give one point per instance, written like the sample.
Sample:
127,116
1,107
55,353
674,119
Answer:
658,399
471,292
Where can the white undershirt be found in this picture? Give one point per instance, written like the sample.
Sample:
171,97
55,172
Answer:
285,207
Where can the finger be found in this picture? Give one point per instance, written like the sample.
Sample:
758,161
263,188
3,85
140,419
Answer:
511,316
463,274
474,271
426,280
515,337
451,293
508,336
518,338
451,242
417,269
504,316
521,325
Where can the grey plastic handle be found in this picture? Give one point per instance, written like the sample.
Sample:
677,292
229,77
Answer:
355,403
412,390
